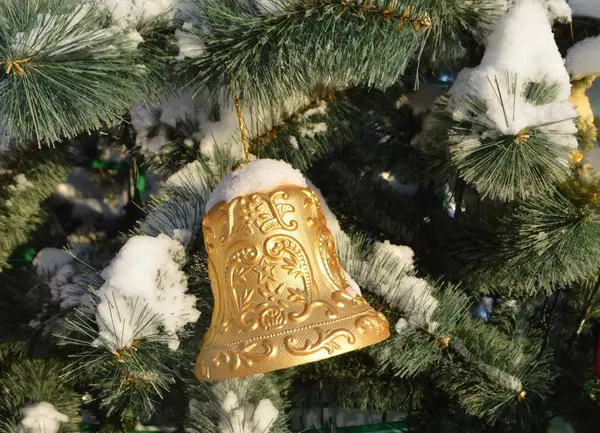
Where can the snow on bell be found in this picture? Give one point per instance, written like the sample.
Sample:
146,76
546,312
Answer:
281,298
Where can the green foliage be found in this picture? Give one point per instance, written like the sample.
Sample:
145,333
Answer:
314,42
484,368
445,369
499,369
63,72
329,42
130,378
21,198
412,351
155,54
557,239
12,350
434,141
33,381
458,27
539,245
179,150
541,93
181,204
348,382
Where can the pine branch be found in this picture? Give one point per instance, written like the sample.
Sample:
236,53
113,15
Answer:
335,43
313,131
556,238
29,182
487,371
459,26
314,42
63,73
35,381
129,378
179,150
529,248
180,207
499,165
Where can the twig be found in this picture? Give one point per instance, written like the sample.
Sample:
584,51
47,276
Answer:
582,320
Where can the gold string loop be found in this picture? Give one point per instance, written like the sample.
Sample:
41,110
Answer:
572,33
238,111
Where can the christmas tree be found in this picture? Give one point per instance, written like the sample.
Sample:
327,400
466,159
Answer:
213,213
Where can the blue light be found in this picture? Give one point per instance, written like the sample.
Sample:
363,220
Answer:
482,312
446,78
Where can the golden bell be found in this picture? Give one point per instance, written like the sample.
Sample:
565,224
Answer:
280,296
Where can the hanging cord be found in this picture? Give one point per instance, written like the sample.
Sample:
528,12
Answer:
238,111
572,33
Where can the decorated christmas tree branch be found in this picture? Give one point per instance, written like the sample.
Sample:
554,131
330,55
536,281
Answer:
507,373
471,361
300,136
133,377
525,164
127,337
178,210
543,243
117,337
565,250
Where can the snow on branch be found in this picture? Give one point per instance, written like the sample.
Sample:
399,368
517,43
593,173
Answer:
129,13
583,58
252,404
508,123
41,417
388,272
585,8
521,46
254,48
178,210
246,418
144,294
194,115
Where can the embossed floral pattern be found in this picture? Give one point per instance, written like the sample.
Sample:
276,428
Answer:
279,289
272,312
